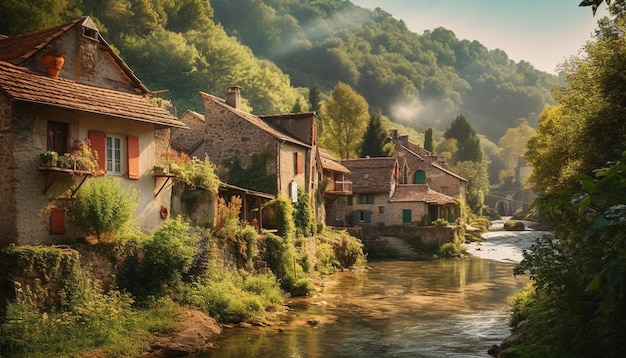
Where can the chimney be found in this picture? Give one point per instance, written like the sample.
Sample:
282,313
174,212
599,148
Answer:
233,96
393,133
404,139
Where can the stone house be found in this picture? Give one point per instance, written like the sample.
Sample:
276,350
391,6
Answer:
380,196
426,168
335,186
90,93
231,136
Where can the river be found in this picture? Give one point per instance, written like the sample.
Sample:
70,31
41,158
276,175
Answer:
439,308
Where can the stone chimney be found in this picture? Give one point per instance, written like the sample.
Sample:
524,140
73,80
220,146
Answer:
404,139
393,133
233,96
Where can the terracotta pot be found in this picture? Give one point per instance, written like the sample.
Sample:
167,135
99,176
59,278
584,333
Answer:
53,64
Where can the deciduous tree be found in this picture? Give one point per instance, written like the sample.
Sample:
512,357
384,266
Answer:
344,117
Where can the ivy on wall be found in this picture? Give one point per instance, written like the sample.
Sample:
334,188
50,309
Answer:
255,177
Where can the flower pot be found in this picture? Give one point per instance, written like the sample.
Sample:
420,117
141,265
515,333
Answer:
53,64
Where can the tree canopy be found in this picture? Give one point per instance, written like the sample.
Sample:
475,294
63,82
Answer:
467,140
344,116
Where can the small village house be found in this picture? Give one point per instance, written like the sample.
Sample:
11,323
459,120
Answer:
88,92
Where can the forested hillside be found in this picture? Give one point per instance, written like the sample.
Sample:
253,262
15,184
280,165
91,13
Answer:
421,80
276,50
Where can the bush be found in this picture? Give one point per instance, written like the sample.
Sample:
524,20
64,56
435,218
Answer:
102,207
450,249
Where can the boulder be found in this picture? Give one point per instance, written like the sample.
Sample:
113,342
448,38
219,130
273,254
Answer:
197,331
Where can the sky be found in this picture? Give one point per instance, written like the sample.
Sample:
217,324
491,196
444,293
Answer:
542,32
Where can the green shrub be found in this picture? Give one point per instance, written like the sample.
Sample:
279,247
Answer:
102,206
167,257
450,249
326,260
304,215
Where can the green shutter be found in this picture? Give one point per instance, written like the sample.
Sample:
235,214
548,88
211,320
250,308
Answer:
406,216
368,216
419,177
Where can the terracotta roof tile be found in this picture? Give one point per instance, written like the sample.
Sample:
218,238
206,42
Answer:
331,163
371,175
16,49
20,84
420,193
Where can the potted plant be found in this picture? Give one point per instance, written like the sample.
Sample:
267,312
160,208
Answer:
49,158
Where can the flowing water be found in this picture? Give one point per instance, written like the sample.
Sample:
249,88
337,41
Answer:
441,308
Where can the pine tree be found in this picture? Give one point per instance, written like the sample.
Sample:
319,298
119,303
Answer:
467,140
428,140
374,138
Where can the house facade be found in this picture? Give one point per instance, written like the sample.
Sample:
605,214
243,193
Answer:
229,135
426,168
90,93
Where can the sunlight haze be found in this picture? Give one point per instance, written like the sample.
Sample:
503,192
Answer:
544,33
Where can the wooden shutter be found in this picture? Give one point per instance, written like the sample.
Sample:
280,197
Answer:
298,162
57,221
133,157
98,144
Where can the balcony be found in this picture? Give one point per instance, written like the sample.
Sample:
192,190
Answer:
339,188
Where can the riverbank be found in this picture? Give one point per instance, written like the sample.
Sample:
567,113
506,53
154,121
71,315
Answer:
505,246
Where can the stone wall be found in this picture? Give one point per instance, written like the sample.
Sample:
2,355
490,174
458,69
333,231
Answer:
429,235
8,229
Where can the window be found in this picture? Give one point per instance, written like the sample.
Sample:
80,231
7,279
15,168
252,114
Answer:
57,137
350,201
381,209
117,154
297,160
366,199
366,176
419,177
114,155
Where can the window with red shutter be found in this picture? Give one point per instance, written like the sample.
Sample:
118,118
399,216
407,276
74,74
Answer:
57,221
298,162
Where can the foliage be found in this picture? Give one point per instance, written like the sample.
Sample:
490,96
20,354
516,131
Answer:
234,295
449,250
193,171
513,143
429,143
103,207
514,225
255,177
167,256
348,250
103,323
282,259
304,215
579,277
477,183
284,216
229,229
467,141
344,117
374,138
586,129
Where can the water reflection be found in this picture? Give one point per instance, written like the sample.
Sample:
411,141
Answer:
443,308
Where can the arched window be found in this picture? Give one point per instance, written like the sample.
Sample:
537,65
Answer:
419,177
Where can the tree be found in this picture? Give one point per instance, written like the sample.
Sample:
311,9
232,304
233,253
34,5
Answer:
587,128
375,137
428,140
467,140
344,117
314,98
477,183
594,4
513,142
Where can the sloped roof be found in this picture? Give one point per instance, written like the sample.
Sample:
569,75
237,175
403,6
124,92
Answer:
420,193
21,84
448,172
331,163
371,175
254,120
19,48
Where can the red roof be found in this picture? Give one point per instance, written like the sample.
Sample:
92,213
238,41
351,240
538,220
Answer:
420,193
21,84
